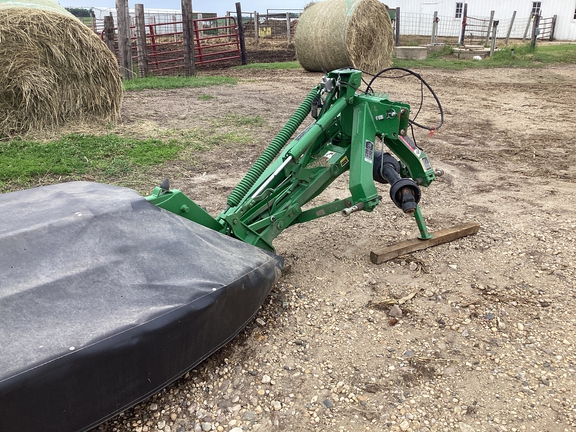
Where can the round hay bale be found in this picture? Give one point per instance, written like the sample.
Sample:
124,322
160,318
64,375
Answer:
334,34
54,71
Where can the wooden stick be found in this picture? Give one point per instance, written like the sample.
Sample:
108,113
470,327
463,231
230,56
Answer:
407,246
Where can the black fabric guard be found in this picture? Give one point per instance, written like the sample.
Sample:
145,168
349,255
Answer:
105,299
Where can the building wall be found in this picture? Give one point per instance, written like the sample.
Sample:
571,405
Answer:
563,9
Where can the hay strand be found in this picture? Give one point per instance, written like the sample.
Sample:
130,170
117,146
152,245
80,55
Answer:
345,33
54,71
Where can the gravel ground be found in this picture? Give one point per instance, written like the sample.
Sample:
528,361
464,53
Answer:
474,335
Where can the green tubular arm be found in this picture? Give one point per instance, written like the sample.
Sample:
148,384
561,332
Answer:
272,150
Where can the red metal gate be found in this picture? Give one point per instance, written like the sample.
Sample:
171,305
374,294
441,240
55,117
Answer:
215,40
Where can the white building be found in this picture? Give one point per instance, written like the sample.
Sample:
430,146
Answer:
450,14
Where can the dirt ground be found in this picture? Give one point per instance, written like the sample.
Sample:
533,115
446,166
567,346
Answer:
487,341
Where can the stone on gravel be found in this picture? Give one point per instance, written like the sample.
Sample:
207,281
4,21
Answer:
395,311
249,415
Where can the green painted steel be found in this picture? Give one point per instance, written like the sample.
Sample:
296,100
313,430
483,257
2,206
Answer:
272,150
176,202
349,128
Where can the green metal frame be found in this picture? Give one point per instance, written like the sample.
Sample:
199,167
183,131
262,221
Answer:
342,138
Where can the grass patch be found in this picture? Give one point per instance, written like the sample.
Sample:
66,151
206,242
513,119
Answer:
273,65
232,130
205,97
525,56
102,157
165,83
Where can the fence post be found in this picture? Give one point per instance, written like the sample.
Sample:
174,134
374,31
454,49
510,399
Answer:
489,28
535,30
397,35
109,35
256,26
463,31
175,30
124,42
527,27
288,25
141,41
228,24
188,38
510,27
241,32
434,28
493,46
553,27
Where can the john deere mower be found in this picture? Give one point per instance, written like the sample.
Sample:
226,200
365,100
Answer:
107,296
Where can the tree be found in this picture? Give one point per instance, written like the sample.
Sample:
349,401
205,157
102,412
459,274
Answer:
80,12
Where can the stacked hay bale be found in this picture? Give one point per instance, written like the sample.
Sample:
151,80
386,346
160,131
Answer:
54,71
345,33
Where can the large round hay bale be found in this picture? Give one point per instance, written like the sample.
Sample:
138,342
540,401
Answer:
345,33
54,71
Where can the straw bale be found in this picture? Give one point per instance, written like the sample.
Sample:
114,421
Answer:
54,71
333,34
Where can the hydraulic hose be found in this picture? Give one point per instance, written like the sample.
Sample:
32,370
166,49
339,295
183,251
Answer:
272,150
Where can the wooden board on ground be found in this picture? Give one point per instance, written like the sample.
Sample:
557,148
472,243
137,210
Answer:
412,245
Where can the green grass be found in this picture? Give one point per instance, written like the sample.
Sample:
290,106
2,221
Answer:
274,65
205,97
112,158
232,130
165,83
525,56
102,157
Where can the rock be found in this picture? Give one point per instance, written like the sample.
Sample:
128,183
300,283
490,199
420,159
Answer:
327,403
395,311
405,425
249,415
225,404
236,429
266,379
153,407
206,426
161,424
173,416
276,405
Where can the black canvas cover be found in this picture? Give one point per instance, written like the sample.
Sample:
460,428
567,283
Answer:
105,299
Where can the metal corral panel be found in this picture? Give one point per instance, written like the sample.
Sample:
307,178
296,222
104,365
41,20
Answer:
564,10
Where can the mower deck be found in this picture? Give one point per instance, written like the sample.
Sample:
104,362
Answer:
105,299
